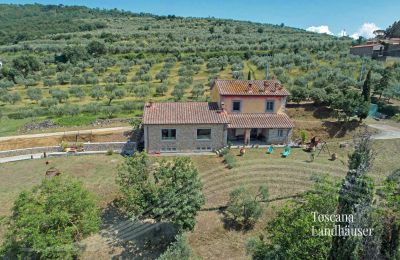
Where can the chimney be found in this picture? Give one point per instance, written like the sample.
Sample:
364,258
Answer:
274,86
222,105
249,88
265,86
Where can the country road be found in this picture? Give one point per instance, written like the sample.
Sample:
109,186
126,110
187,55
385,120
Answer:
386,131
88,131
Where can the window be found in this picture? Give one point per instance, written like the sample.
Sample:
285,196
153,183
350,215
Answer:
280,132
168,134
270,106
236,106
168,149
203,134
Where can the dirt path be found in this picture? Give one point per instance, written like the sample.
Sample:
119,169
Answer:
88,131
386,131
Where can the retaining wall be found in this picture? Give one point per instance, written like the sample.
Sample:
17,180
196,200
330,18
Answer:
125,147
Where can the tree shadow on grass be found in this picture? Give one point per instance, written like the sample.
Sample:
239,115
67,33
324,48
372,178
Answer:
230,224
143,239
340,129
319,111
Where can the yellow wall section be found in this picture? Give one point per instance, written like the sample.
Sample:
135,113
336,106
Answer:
214,94
252,104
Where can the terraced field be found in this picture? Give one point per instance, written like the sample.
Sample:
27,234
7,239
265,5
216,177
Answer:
212,237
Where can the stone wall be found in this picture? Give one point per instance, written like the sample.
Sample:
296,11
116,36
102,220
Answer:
11,153
128,147
115,146
186,138
273,137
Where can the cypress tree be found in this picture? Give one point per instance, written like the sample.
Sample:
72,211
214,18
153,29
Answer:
355,197
366,89
249,75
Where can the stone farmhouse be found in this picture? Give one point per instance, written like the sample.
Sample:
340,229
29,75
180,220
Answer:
242,112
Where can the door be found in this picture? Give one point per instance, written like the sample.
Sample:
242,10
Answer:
253,134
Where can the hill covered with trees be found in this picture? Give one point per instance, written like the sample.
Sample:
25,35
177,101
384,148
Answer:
64,61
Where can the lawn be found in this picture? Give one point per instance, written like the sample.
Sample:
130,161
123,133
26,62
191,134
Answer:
212,238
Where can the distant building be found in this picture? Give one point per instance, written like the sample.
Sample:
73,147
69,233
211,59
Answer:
380,49
1,64
373,50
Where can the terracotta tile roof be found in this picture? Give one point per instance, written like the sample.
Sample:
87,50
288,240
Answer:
367,45
183,113
266,120
251,87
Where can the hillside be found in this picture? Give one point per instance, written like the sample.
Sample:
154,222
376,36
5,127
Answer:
60,62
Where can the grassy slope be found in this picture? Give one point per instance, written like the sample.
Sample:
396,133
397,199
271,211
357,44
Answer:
210,239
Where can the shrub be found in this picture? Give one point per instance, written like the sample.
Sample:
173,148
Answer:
223,152
303,136
64,213
230,161
109,152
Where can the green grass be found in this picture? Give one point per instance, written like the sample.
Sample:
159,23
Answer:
96,172
75,120
283,176
11,126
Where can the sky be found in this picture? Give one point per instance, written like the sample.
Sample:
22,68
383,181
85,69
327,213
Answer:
337,17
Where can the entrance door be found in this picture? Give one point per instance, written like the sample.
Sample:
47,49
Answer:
253,133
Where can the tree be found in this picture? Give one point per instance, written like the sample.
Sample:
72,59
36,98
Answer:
64,78
138,190
49,219
77,92
114,93
393,31
227,30
11,98
180,188
110,111
177,250
249,75
97,93
299,94
162,89
290,232
178,92
171,191
34,94
75,53
96,48
60,95
26,64
162,75
384,83
244,208
355,195
48,102
49,82
366,89
350,104
391,216
198,90
319,96
142,91
6,84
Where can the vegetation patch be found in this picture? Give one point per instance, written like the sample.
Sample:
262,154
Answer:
78,120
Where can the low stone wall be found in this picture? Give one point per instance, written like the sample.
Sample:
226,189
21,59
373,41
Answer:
48,149
123,147
115,146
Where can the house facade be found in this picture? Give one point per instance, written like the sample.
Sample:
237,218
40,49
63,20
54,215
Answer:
242,112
